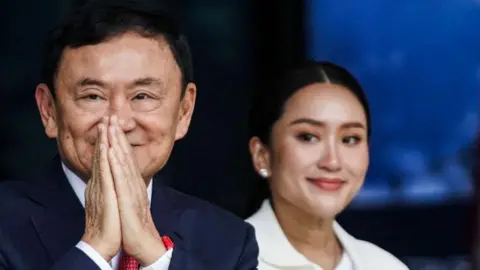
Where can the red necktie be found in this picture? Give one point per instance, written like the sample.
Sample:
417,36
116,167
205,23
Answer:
127,263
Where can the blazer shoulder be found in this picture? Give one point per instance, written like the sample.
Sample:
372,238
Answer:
13,190
208,210
379,256
205,222
12,186
14,197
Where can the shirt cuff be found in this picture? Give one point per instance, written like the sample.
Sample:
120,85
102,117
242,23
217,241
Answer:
162,263
94,255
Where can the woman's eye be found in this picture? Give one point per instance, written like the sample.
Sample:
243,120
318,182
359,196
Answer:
307,137
351,140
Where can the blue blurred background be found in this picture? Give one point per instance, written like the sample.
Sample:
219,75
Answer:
419,62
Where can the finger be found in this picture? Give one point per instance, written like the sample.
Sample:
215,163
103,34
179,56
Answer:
104,138
123,157
104,164
128,184
96,157
123,142
133,182
118,173
93,181
100,139
118,152
96,153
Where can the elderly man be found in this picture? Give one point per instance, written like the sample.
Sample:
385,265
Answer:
117,92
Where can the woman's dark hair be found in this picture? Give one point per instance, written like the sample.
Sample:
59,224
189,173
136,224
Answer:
269,103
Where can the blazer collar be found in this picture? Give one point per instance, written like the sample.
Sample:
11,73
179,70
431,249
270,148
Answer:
53,191
60,220
165,208
174,219
349,244
269,234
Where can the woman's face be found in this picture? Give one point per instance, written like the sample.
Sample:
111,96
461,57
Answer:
318,154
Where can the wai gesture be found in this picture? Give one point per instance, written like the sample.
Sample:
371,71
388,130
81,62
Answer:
116,203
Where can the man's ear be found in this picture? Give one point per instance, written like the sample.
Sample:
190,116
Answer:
187,104
46,106
260,156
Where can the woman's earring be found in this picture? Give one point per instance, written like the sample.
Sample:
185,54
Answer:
264,173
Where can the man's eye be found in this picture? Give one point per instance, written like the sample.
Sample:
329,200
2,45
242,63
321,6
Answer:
141,96
93,97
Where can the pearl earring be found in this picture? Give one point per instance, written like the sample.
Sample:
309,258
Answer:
263,172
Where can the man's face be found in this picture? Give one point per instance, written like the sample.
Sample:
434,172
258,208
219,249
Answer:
135,78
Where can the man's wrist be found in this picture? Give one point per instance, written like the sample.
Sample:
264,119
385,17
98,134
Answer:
100,248
150,251
94,255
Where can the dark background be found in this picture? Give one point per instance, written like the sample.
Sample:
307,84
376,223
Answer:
236,44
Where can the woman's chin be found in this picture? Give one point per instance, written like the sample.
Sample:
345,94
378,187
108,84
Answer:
327,209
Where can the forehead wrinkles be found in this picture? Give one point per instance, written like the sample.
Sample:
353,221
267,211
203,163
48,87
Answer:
78,61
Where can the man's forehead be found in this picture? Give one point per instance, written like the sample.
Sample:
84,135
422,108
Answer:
123,44
129,57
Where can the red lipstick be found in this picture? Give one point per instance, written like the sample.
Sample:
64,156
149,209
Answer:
328,184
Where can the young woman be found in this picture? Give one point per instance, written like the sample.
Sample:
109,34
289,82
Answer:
310,141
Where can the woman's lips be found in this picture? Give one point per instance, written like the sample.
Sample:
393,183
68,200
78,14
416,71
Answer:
327,184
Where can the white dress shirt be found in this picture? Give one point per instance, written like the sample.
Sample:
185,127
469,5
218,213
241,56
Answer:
276,252
79,188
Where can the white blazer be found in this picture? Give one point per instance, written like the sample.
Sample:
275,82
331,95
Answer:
276,252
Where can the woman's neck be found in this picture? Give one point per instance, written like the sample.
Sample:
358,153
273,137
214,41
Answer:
312,236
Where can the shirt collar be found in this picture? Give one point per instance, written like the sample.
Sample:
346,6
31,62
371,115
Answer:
269,234
79,185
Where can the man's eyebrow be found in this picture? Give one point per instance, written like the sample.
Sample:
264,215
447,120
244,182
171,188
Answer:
147,81
90,82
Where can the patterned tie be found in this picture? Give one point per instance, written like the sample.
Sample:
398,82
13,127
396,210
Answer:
127,263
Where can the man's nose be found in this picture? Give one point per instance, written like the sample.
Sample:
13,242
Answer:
122,109
330,159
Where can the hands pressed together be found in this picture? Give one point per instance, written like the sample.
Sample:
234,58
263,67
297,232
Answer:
117,207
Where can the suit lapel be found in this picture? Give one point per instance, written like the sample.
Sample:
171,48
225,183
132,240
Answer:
166,212
172,219
60,223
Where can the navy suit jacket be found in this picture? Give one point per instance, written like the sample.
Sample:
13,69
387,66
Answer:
41,221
